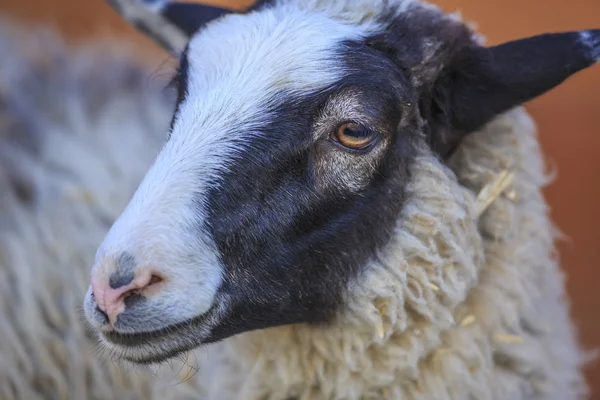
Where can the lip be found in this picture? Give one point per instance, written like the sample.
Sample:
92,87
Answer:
159,345
141,338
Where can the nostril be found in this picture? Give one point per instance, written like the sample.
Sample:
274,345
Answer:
110,302
136,288
141,287
101,316
155,279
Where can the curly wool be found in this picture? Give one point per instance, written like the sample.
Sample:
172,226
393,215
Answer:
459,305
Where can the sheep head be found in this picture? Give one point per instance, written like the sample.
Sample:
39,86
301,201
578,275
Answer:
289,154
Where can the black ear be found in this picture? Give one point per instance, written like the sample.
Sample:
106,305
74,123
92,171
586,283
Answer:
189,17
170,24
480,83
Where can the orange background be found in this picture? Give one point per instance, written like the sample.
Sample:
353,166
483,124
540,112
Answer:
567,117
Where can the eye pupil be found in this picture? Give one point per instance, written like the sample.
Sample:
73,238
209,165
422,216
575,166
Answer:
356,131
354,136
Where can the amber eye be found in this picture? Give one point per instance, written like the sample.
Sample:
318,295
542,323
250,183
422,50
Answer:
354,136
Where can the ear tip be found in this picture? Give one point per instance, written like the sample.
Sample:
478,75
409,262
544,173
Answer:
591,40
154,5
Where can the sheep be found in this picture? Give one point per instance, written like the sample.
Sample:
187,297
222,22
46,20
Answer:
419,265
314,210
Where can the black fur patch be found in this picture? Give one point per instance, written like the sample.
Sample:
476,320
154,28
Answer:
424,43
259,4
179,83
124,271
290,248
190,17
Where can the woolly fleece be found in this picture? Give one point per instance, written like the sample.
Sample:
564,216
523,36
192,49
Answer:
459,306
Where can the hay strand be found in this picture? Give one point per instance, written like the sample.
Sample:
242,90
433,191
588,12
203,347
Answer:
493,190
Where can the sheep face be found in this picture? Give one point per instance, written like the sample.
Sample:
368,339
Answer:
286,166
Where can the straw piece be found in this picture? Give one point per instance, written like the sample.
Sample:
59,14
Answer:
512,195
468,320
81,194
380,329
507,338
493,190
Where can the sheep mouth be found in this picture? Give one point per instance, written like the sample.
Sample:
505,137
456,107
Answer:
159,345
139,338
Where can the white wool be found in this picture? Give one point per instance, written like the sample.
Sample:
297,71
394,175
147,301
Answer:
458,305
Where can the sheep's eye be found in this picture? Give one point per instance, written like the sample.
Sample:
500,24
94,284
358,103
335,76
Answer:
354,136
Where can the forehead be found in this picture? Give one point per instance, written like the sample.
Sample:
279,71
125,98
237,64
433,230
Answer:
244,61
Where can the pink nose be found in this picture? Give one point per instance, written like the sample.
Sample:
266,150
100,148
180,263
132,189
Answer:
111,300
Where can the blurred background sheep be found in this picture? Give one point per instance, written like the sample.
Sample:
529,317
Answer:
569,133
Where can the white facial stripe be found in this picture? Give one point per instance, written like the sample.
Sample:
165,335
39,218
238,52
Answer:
237,67
258,54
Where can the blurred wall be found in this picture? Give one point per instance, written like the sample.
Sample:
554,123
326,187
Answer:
566,117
